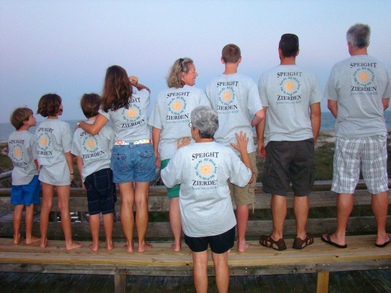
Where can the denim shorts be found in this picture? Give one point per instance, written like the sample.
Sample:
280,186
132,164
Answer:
133,163
218,243
26,194
100,192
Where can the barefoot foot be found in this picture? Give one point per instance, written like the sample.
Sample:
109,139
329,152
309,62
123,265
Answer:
176,247
144,247
243,246
73,245
17,239
32,239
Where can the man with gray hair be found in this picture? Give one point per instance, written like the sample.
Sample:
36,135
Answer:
358,92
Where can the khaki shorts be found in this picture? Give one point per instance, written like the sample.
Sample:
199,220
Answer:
245,195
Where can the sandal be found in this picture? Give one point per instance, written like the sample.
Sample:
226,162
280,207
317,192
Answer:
268,241
301,243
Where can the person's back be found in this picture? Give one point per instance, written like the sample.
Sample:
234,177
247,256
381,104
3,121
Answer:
288,91
359,83
236,100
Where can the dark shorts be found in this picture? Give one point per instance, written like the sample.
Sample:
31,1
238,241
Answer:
133,163
100,192
218,243
26,194
289,162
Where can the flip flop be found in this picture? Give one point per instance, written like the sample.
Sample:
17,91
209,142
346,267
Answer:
385,243
329,241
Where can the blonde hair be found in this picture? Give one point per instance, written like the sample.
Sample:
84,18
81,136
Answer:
174,78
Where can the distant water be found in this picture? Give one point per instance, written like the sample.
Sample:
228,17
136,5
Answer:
328,122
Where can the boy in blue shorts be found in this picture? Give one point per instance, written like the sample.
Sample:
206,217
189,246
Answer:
93,153
25,184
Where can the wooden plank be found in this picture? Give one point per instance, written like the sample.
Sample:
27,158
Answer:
159,202
322,284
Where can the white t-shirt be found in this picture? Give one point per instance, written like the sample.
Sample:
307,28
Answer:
131,124
359,84
288,91
95,150
235,98
202,170
54,139
22,152
171,114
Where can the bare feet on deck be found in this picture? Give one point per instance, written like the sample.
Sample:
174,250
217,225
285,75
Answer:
243,246
129,246
73,245
176,247
43,243
32,239
94,247
144,247
17,239
109,245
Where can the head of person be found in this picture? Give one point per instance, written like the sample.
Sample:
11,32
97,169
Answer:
90,104
182,72
358,36
19,116
231,54
49,105
117,89
289,45
205,120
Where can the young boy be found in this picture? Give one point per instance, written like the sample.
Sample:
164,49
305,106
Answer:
25,184
236,100
93,153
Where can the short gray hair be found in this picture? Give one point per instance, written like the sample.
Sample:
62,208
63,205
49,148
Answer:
358,35
206,120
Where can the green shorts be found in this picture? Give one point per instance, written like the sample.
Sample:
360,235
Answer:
245,195
171,192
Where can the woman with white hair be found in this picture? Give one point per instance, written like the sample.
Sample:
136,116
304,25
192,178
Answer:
202,170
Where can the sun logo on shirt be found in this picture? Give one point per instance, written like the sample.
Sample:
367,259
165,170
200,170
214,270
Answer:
90,143
226,96
132,114
206,169
290,86
17,153
364,76
44,141
177,105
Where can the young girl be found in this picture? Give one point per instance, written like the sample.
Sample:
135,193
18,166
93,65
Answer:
133,159
54,143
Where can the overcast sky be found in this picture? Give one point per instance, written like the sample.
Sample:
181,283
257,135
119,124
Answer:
65,47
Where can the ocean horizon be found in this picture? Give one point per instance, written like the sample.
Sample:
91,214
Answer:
327,124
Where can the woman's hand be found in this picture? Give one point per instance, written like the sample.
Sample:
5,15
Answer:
183,142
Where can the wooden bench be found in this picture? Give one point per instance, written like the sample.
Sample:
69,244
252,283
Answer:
319,258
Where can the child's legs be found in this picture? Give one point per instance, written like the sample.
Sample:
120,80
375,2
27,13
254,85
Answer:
63,193
46,207
94,226
29,224
141,200
108,222
17,221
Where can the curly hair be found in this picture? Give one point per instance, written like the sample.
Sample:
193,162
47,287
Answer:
117,89
49,105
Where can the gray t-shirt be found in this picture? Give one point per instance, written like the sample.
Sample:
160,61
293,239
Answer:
94,150
288,91
359,84
235,98
171,114
202,170
131,124
22,152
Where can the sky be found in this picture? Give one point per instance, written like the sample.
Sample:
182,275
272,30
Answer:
65,47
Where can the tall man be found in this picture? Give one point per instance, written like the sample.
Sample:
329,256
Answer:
291,99
358,92
236,100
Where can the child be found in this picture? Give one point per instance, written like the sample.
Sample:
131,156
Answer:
93,154
25,184
54,142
